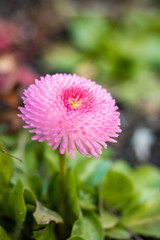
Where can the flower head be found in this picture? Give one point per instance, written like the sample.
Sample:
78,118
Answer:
70,112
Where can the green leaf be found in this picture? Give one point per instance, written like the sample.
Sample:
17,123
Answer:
54,192
88,227
99,169
72,208
15,206
29,197
45,233
145,188
138,197
153,177
76,238
117,187
62,58
72,202
4,235
52,157
118,233
35,183
6,171
108,220
122,166
44,215
69,196
87,197
88,32
92,170
30,200
145,219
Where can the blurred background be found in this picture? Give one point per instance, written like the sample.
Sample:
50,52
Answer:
115,43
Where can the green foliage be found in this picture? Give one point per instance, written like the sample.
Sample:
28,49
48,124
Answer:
46,233
6,171
92,171
116,188
88,227
87,33
44,215
87,197
151,181
75,238
100,200
145,219
15,205
122,54
3,234
108,220
118,233
71,199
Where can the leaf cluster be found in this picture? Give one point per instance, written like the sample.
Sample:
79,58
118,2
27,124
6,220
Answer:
102,199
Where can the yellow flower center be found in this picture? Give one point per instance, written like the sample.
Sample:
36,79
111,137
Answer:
75,103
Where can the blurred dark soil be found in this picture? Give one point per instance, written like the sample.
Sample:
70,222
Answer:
131,120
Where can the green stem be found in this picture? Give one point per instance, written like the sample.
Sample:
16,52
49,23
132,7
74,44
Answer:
62,167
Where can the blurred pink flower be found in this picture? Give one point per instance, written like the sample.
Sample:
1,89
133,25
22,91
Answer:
9,35
71,112
13,72
26,75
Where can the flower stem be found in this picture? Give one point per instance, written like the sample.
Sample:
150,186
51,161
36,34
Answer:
62,209
62,166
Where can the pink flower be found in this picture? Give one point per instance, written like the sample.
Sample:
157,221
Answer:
9,35
70,112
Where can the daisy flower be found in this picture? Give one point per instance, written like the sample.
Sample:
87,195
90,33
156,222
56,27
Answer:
70,112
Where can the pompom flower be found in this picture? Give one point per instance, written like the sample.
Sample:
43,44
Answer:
70,112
